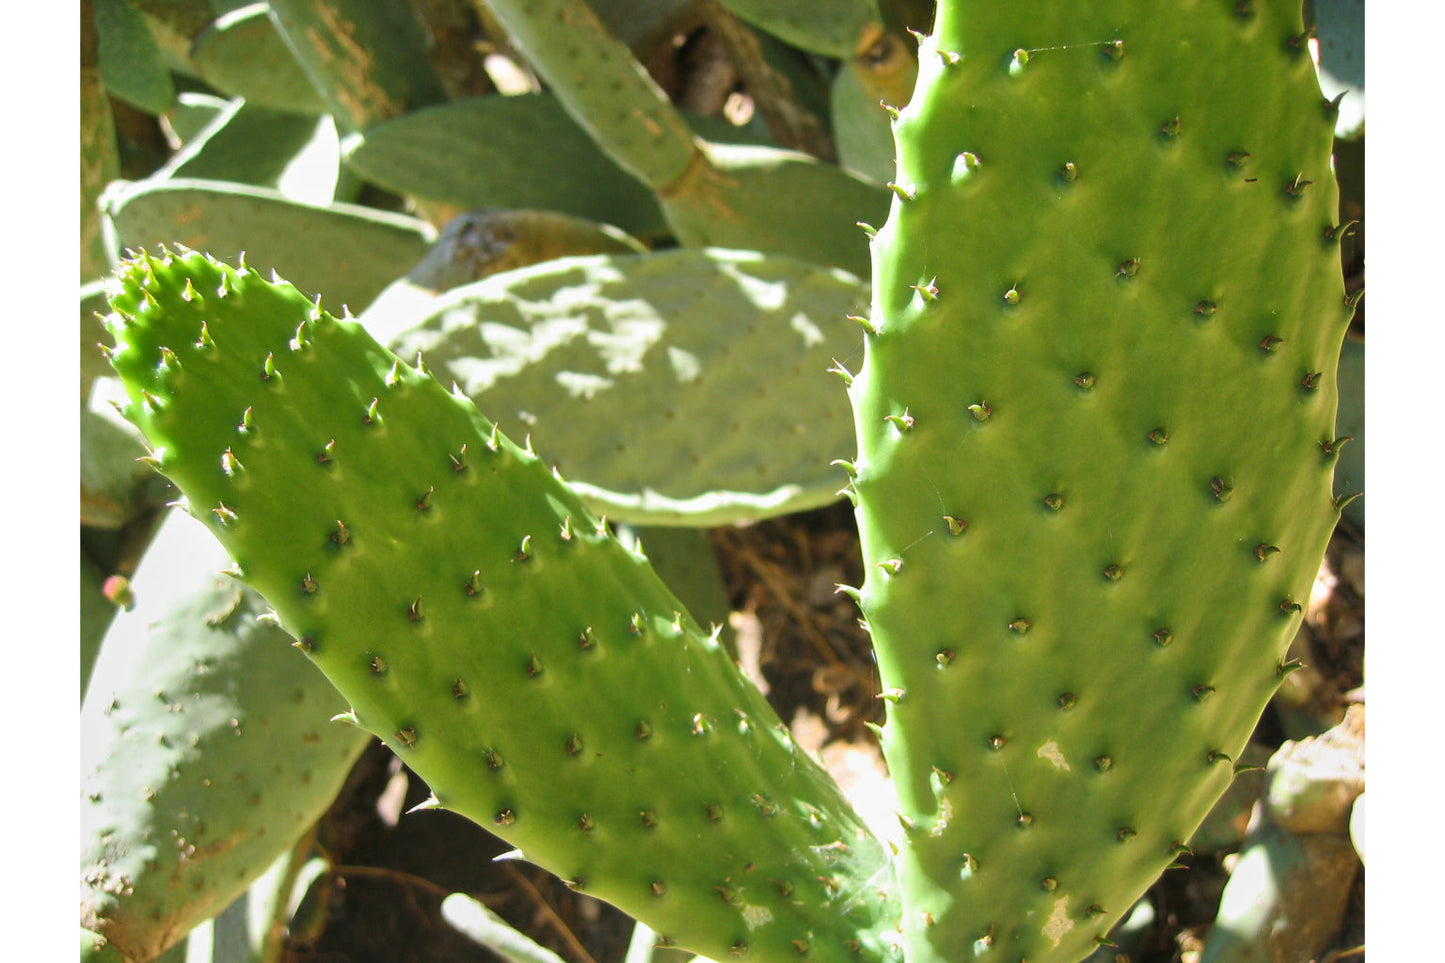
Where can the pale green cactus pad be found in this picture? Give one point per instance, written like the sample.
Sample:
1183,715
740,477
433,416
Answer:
681,387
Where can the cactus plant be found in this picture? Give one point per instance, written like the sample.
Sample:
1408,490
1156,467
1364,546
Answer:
1094,417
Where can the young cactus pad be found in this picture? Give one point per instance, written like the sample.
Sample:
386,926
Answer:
1095,421
482,622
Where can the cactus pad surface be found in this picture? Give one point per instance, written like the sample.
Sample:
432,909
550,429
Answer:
1096,441
682,387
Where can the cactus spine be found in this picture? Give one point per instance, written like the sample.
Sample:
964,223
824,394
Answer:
1095,424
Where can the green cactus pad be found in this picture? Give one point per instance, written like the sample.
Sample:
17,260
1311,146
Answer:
1096,435
131,62
507,646
682,387
367,60
243,144
205,752
242,54
780,202
350,252
522,151
833,28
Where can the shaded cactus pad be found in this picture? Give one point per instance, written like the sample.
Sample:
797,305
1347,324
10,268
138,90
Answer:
683,387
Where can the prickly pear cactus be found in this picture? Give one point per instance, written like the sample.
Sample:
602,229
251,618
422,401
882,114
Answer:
482,622
1095,422
205,752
